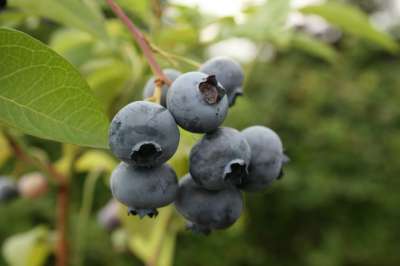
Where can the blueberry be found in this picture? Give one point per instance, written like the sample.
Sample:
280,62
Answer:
144,190
207,210
148,91
8,189
228,72
220,159
197,102
108,216
267,158
143,134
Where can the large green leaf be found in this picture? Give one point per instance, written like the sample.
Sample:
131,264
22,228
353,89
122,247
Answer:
43,95
354,21
81,14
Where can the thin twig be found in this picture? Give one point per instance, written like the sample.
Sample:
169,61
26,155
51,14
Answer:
171,57
24,156
141,41
62,250
62,197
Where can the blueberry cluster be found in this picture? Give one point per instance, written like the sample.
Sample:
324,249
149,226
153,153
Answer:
145,135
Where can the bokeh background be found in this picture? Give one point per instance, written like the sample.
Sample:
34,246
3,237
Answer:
325,75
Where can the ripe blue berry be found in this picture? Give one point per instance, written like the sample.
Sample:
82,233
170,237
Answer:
228,72
148,91
144,190
143,134
8,189
197,102
207,210
220,159
267,158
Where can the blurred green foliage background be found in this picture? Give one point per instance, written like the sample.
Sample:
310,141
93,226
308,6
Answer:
333,95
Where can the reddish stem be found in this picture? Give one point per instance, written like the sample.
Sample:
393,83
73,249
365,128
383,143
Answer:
62,198
141,41
62,224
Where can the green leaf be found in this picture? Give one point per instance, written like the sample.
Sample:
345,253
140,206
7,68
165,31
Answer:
11,19
167,249
119,240
274,13
95,160
63,165
353,21
84,15
313,47
74,45
268,23
43,95
28,249
5,149
169,37
108,80
153,238
146,234
138,7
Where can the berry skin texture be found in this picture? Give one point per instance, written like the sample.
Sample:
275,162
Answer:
143,190
148,91
220,159
267,158
143,134
197,102
207,210
8,190
228,72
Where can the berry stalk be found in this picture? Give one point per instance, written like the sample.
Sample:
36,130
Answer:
140,40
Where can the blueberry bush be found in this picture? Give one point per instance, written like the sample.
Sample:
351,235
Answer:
120,129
